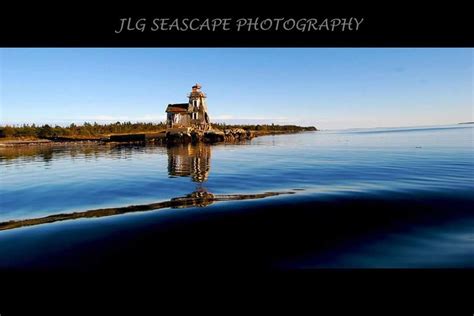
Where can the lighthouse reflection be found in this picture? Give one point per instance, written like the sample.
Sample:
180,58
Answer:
191,160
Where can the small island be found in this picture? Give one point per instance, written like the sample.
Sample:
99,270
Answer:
185,123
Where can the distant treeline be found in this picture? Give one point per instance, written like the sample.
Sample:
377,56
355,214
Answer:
85,130
98,130
265,127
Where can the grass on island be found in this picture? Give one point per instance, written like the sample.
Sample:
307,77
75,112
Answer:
89,131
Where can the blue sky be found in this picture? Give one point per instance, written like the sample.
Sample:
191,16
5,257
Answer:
328,88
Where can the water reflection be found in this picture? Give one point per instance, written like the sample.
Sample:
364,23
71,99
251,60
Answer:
185,160
51,179
199,198
22,155
25,154
190,160
49,153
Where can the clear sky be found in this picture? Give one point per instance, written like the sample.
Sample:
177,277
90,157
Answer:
327,88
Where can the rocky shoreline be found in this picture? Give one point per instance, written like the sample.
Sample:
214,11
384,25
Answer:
164,138
212,136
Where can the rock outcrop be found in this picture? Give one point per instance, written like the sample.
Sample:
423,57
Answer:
210,136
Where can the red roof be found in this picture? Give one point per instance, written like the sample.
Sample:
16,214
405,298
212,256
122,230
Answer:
177,108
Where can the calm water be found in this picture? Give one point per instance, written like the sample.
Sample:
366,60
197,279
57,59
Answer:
355,198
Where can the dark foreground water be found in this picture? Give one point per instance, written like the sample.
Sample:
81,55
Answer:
335,199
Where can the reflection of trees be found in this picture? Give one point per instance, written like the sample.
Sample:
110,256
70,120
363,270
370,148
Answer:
47,156
190,160
49,153
25,153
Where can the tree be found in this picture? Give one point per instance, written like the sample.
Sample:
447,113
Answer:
45,131
7,131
